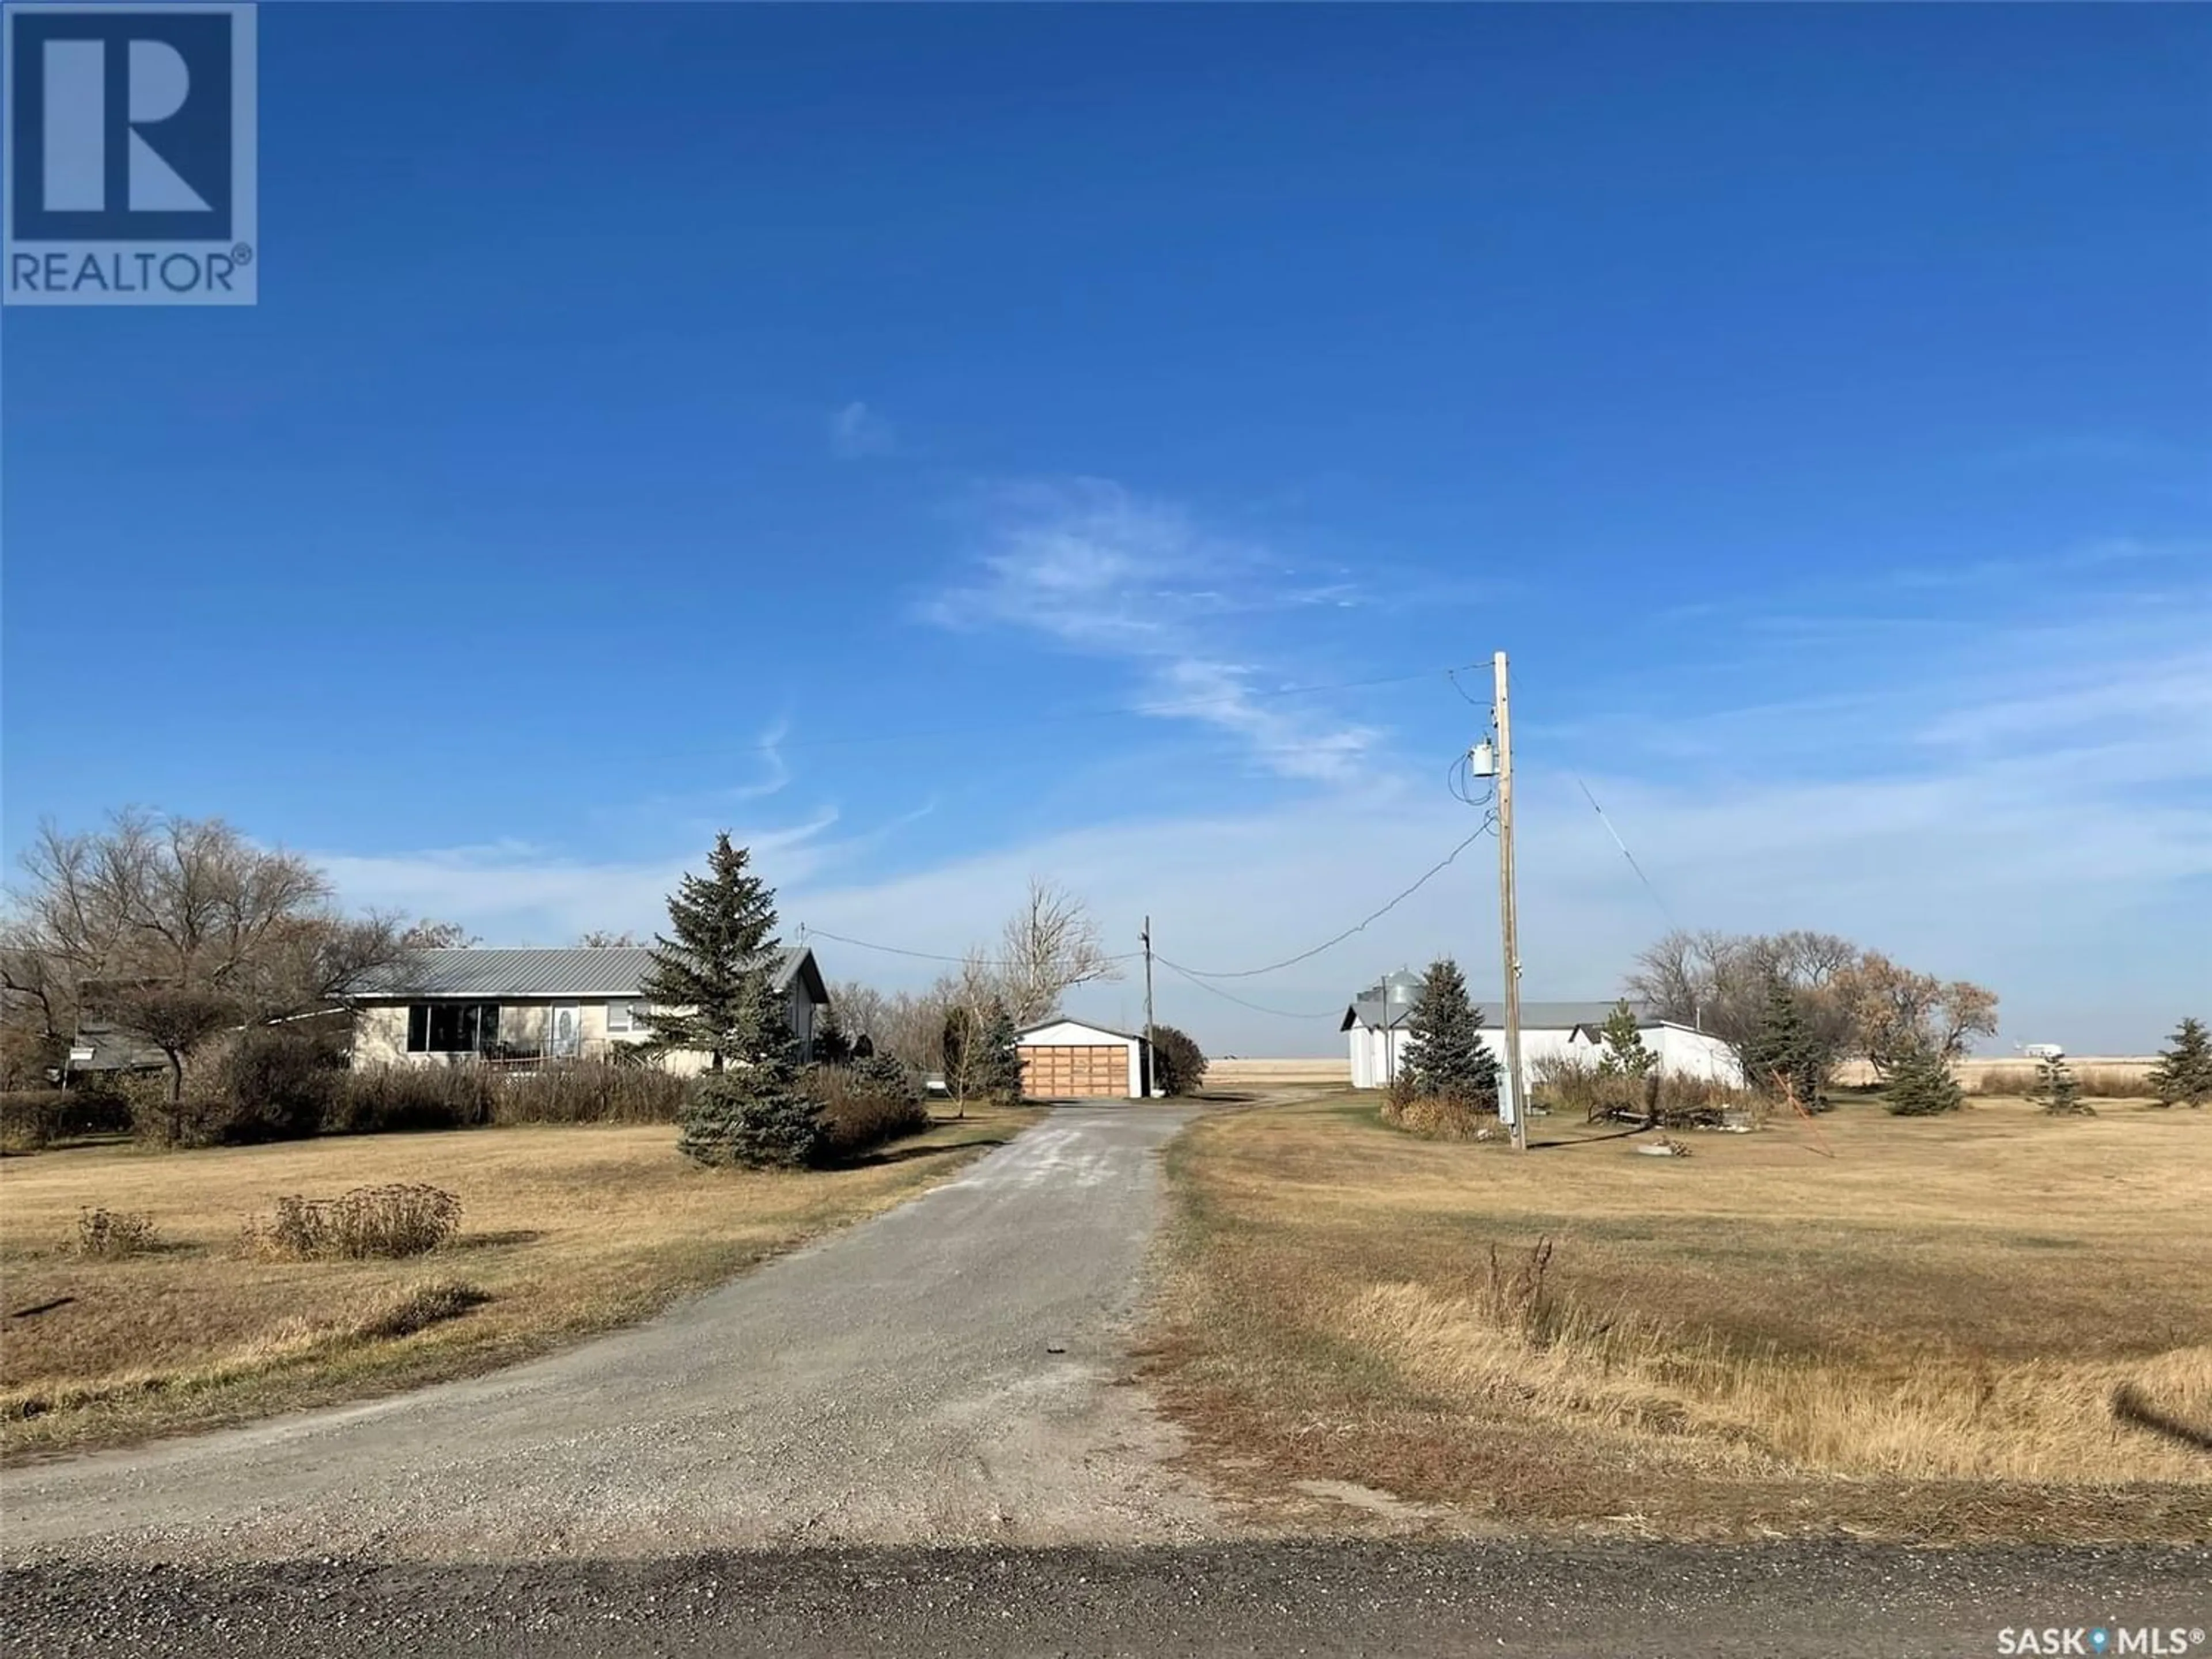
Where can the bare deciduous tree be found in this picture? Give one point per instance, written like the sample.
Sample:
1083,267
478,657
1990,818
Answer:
600,938
177,928
1851,1001
428,935
1048,948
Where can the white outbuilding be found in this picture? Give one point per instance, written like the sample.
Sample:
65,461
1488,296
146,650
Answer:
1375,1027
1068,1060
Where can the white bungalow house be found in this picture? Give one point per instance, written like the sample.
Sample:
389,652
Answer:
523,1006
1375,1025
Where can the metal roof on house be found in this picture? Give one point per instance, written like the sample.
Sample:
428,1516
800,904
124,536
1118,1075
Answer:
473,971
1534,1016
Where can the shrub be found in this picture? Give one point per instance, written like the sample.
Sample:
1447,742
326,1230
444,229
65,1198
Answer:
418,1307
1406,1106
111,1233
587,1091
383,1099
28,1117
405,1219
864,1105
1178,1063
1570,1083
754,1117
1921,1086
279,1085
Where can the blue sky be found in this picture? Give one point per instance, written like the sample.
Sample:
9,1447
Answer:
822,422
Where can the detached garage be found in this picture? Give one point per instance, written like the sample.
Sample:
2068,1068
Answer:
1067,1060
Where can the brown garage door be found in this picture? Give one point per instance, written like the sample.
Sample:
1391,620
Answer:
1073,1072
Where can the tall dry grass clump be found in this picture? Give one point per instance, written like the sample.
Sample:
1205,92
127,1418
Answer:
401,1219
2110,1081
588,1091
1511,1341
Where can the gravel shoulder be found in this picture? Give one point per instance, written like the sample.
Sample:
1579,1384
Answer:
942,1374
1799,1601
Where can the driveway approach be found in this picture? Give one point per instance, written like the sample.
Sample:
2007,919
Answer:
942,1374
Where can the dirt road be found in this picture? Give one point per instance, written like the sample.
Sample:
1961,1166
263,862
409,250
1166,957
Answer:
940,1375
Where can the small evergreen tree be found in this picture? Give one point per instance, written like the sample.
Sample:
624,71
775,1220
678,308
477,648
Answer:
1784,1056
2057,1091
702,988
1626,1065
1444,1052
885,1073
1921,1086
998,1068
2183,1072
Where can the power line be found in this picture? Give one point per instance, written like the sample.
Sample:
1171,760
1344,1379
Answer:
1626,853
1433,870
1280,1013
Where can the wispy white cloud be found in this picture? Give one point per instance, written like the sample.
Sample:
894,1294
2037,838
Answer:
857,432
2037,818
1092,568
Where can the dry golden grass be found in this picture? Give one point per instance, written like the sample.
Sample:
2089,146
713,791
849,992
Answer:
564,1231
1920,1333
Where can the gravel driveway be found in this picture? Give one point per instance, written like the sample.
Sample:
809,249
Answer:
942,1374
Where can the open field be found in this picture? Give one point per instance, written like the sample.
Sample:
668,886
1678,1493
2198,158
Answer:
1894,1328
564,1231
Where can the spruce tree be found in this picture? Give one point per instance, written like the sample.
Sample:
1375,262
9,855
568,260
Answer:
2183,1072
702,988
1921,1086
2057,1091
754,1113
1784,1057
1444,1053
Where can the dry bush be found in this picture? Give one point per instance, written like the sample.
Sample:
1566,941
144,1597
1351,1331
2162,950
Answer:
111,1233
402,1218
417,1307
383,1099
588,1091
1434,1117
1572,1083
1568,1082
864,1106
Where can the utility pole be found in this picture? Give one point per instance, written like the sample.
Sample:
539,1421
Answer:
1509,925
1152,1082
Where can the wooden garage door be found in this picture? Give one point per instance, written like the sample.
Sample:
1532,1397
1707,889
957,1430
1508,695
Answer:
1072,1072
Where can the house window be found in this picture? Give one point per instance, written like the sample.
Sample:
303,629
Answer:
625,1017
452,1028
